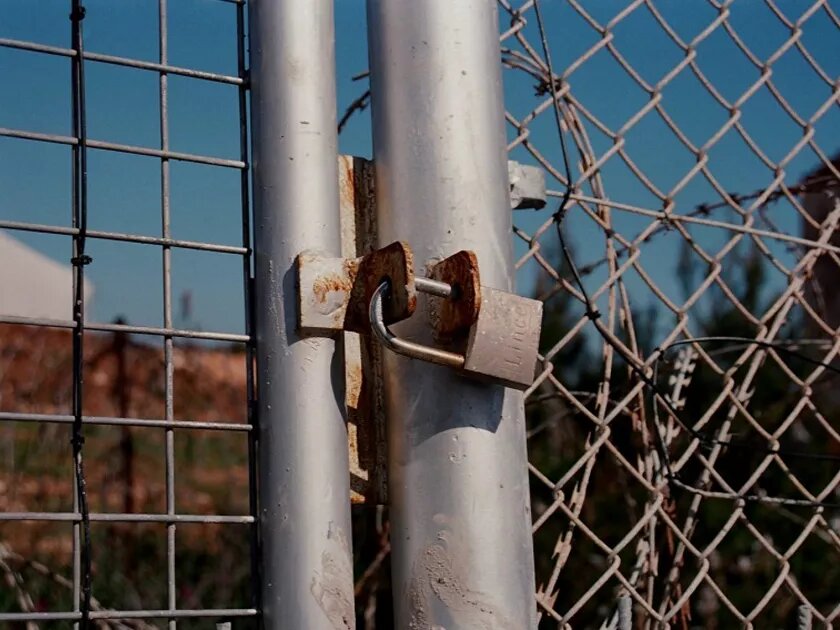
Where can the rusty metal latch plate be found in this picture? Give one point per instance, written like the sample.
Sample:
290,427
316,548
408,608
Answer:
333,293
395,262
451,317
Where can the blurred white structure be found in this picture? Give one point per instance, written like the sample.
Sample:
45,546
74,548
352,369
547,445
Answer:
34,285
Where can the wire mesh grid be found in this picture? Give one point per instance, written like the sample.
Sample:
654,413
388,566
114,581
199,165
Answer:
117,345
683,441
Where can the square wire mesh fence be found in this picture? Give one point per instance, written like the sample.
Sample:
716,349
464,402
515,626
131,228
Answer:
126,490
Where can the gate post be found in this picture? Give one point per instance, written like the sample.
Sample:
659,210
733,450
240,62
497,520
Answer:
304,508
458,485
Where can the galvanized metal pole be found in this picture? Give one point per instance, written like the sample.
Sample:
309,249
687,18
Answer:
461,526
307,574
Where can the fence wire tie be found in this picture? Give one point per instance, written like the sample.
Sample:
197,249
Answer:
78,13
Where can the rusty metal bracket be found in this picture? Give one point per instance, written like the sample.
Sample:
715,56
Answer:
334,293
395,263
453,316
324,285
364,397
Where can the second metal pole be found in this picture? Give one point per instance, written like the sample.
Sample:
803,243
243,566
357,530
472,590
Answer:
461,526
307,571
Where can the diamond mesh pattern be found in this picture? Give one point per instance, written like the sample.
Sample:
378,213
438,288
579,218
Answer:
683,445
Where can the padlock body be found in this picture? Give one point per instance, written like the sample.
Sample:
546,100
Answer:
504,341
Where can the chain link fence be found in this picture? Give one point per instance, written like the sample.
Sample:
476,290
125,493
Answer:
683,436
683,441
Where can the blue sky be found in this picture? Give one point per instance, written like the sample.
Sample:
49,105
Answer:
123,107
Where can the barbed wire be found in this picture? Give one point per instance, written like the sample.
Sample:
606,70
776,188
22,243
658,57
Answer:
815,185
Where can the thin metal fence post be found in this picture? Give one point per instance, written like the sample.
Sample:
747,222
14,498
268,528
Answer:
460,509
304,511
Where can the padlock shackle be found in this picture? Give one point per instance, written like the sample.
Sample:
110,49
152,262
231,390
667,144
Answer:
402,346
